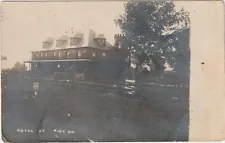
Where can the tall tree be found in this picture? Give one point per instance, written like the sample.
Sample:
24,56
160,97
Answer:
150,28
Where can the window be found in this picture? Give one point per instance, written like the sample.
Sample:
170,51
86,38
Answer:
41,56
119,45
101,42
74,41
67,55
93,54
38,65
59,54
46,56
79,54
84,55
54,55
103,54
36,56
47,45
60,43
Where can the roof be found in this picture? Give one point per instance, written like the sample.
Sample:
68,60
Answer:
87,40
100,36
72,60
49,39
78,35
63,37
71,47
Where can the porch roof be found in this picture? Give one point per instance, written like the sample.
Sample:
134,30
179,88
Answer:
41,61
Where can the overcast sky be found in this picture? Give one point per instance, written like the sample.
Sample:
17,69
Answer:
27,24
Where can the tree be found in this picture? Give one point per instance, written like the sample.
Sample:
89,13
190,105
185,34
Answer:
149,29
3,58
19,67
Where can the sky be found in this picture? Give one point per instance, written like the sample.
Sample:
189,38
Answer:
26,25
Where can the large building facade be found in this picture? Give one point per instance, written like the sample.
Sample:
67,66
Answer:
84,52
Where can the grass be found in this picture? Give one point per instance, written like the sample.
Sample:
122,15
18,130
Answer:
154,114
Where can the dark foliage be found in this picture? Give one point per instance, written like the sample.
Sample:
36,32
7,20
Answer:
151,32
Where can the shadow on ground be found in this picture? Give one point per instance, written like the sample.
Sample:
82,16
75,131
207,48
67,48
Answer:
65,114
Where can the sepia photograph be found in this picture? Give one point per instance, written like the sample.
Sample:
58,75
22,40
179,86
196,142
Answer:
95,71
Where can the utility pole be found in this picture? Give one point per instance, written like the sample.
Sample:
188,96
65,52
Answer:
2,18
1,22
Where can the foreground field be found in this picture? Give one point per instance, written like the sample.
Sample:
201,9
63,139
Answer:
63,113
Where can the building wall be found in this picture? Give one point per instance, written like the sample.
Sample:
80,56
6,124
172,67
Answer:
86,53
99,70
105,64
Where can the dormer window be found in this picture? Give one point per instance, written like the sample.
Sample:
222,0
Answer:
47,45
101,40
73,41
62,41
76,39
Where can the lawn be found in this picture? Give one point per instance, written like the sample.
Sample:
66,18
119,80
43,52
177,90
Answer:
154,114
